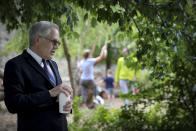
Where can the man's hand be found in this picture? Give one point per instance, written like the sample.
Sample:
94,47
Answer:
61,88
68,106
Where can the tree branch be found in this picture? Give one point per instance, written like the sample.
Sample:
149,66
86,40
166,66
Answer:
136,26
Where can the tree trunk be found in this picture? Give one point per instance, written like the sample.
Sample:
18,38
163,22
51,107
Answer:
68,57
92,50
1,94
108,58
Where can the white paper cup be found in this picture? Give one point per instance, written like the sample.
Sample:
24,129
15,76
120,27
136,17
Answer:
62,101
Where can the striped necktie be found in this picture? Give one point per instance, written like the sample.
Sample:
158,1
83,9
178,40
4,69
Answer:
50,76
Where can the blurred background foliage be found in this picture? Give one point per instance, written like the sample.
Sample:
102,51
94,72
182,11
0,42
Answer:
160,33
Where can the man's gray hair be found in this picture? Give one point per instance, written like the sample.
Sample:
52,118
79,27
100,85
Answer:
42,28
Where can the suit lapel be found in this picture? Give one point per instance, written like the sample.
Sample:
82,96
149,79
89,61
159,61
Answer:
36,66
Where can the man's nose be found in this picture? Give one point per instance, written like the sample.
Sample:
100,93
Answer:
56,46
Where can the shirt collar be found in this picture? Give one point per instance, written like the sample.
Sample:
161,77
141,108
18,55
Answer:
35,56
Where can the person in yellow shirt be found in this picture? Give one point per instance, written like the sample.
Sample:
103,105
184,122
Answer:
124,75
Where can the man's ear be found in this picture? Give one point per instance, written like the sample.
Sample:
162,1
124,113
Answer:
37,39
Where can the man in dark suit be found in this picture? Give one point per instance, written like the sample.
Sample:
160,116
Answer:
32,83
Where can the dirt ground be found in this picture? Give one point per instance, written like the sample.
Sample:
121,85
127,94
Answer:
8,121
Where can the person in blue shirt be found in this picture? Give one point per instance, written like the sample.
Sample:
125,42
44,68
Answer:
109,84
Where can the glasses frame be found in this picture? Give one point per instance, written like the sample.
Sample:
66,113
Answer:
53,41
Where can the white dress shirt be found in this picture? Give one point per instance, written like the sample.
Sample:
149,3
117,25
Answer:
39,61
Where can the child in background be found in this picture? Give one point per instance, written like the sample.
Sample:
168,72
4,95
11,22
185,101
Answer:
109,84
101,97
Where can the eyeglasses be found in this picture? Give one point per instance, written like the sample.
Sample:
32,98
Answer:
54,42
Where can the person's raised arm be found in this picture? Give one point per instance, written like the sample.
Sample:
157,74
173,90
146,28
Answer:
101,55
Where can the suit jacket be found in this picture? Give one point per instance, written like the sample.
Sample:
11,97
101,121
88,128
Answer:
27,94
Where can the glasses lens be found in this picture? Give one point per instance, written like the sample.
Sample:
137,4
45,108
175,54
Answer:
55,42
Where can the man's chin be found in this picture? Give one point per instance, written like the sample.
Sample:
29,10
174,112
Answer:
50,56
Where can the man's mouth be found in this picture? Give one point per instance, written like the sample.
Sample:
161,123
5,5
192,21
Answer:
53,52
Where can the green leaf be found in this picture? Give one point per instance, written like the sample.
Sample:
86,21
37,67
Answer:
85,16
93,22
76,35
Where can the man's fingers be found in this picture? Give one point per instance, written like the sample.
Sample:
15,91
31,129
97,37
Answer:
61,88
67,106
68,89
66,93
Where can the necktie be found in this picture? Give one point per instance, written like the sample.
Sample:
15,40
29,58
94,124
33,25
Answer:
48,73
